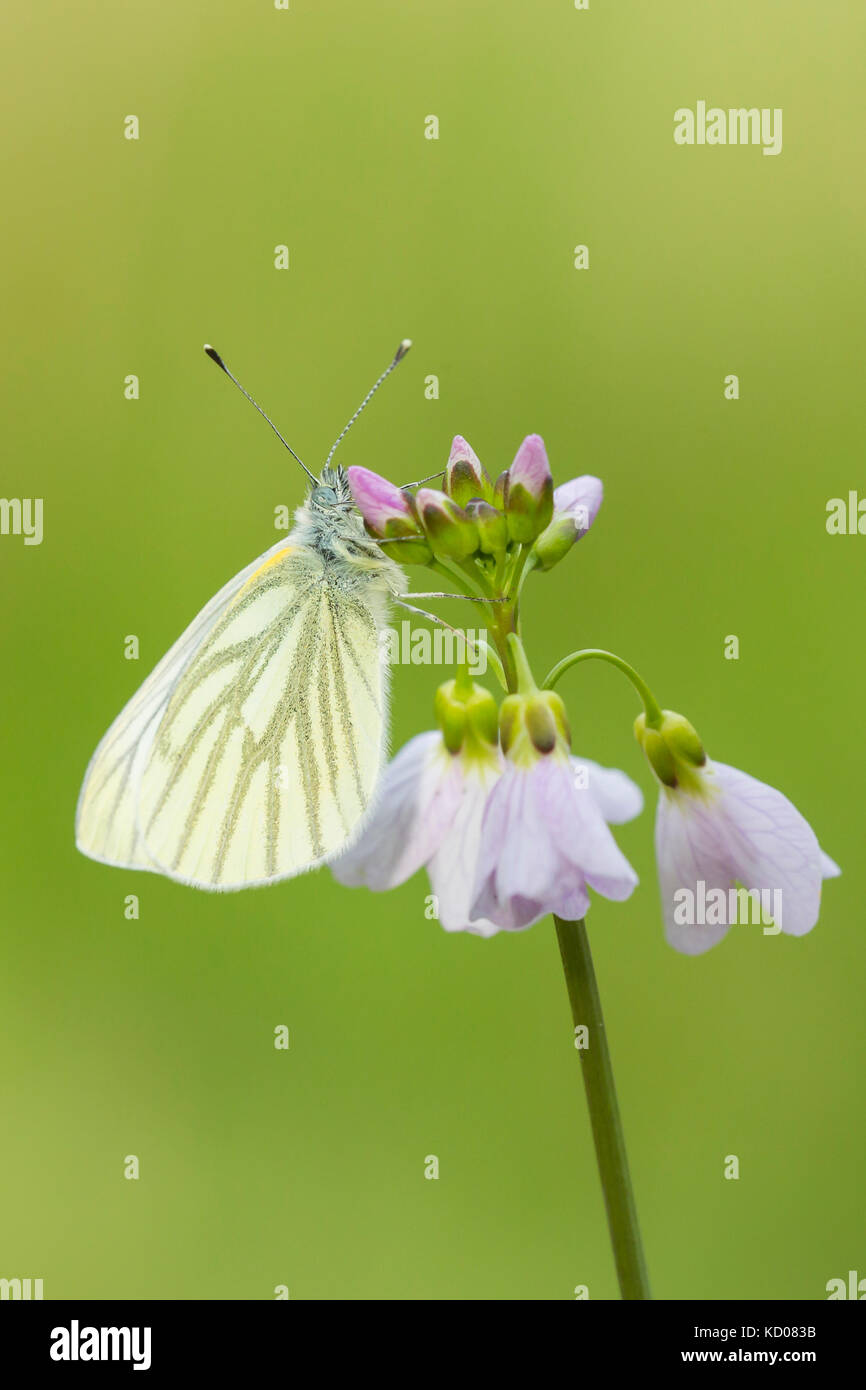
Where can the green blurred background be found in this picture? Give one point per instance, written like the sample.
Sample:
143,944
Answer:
155,1037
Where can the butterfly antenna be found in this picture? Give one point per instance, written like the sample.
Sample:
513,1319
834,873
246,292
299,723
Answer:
215,357
398,357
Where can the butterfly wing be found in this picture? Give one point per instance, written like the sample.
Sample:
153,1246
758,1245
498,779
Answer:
268,750
105,820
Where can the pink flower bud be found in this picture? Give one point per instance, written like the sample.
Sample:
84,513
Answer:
529,495
385,508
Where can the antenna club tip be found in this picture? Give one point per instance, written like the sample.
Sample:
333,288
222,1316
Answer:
402,349
214,356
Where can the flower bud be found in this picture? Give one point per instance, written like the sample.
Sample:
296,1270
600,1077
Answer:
380,503
575,507
467,715
388,513
492,532
465,477
500,490
533,725
554,542
529,499
673,750
452,535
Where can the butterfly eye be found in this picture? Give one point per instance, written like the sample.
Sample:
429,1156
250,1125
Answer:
323,496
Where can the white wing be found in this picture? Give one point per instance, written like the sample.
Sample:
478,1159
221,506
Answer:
105,820
262,753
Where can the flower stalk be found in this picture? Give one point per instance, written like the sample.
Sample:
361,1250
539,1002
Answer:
603,1108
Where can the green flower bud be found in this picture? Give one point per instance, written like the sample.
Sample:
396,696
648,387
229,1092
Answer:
554,542
467,715
533,725
673,750
452,535
683,739
410,547
492,533
500,490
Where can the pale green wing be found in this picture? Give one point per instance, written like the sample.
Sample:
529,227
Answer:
105,820
269,749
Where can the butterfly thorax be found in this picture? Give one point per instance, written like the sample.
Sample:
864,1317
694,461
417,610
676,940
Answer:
329,523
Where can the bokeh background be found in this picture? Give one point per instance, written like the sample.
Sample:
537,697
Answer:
155,1037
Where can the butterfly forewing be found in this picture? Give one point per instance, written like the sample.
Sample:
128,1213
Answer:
271,742
106,825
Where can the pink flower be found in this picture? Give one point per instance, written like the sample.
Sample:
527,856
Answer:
545,841
730,829
428,816
434,812
716,828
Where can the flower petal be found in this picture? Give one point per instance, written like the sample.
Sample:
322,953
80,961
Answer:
829,867
543,840
530,468
378,500
463,452
619,798
743,832
516,863
452,867
771,847
689,849
577,827
419,794
579,498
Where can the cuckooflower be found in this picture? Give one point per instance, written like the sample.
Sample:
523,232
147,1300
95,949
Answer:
433,813
544,837
717,827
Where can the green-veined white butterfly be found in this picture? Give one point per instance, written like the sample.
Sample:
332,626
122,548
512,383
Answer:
252,751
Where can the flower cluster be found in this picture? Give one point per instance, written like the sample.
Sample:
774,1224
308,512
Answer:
510,824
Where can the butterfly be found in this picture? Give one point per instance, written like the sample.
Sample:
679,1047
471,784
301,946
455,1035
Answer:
252,751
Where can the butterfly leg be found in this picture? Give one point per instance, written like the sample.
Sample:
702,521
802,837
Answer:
429,479
472,598
482,652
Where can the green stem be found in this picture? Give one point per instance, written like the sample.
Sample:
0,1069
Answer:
651,705
502,621
603,1111
523,671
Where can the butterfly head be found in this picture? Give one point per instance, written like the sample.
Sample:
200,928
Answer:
332,492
